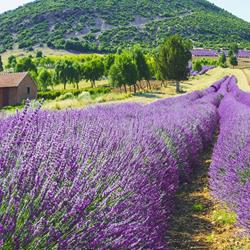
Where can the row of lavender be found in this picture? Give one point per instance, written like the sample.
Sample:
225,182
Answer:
204,70
230,168
213,53
100,178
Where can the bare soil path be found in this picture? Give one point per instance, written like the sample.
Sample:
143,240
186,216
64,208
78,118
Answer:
199,221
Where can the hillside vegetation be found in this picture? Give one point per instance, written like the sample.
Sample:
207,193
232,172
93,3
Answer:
88,25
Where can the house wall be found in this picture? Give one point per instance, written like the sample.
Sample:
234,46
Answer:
1,98
22,90
12,96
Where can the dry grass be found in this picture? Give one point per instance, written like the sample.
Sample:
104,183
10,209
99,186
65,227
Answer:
76,103
82,84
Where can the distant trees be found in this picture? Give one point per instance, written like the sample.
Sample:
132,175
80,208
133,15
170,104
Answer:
63,71
234,48
44,79
12,61
233,60
26,64
133,67
230,53
75,76
173,59
197,66
124,71
93,70
108,62
222,60
39,54
141,64
1,64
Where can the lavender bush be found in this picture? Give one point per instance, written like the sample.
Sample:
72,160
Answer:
100,178
203,71
229,171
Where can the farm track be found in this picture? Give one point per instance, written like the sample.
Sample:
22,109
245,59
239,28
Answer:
193,225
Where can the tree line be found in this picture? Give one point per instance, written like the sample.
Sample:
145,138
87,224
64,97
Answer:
126,68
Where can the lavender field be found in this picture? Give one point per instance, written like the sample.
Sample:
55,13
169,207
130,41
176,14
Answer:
106,177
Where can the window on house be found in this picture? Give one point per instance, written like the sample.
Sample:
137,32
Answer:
28,90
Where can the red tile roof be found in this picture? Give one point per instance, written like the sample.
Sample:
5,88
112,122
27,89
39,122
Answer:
11,79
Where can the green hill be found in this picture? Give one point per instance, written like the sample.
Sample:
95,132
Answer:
105,25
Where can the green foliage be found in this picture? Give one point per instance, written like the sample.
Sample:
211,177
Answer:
235,48
65,96
230,53
84,96
93,70
53,94
233,61
198,207
141,63
108,62
115,75
1,64
66,71
197,65
26,64
173,59
124,71
222,60
224,217
39,54
12,61
44,79
73,25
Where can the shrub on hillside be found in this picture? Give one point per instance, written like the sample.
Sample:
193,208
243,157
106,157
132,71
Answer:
84,96
53,94
66,96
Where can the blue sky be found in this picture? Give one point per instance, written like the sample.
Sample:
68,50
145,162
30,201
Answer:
11,4
240,8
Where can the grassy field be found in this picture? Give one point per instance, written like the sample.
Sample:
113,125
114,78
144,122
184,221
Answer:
145,97
46,51
195,83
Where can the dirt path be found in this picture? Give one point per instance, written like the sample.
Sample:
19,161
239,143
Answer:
199,221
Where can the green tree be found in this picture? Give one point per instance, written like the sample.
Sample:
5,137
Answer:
115,77
222,60
44,79
124,71
235,48
39,54
63,71
230,53
233,61
1,64
141,64
108,62
197,66
75,75
26,64
157,69
12,61
93,70
173,59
